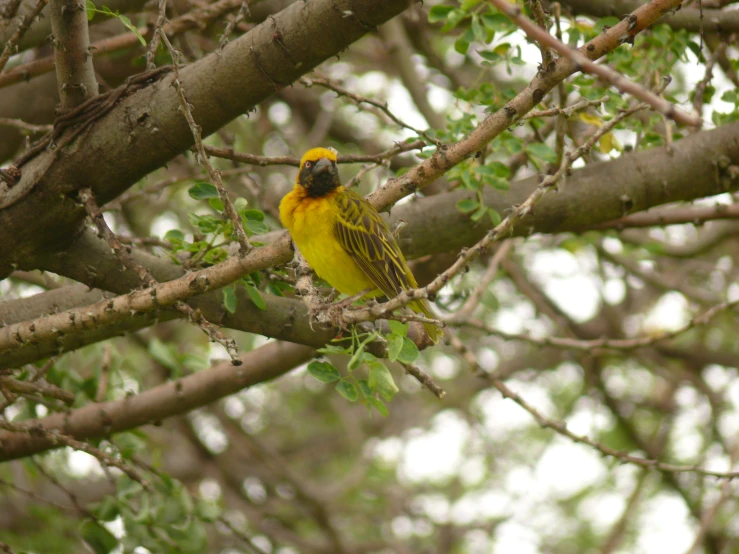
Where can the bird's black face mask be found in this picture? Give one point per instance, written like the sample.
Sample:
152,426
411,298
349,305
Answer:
319,177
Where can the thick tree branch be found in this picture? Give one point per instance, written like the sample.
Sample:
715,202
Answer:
714,21
634,182
445,158
99,420
147,129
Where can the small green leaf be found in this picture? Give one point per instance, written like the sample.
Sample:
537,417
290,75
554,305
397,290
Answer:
347,390
478,215
205,224
494,217
163,354
216,204
378,405
439,13
364,388
324,371
467,205
394,346
397,327
409,352
381,380
108,509
90,7
255,227
131,27
207,511
541,151
174,235
255,296
203,190
467,5
229,298
98,538
461,46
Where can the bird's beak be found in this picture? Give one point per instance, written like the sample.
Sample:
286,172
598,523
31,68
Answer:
322,166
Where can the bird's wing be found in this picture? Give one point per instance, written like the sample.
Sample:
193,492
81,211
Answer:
368,240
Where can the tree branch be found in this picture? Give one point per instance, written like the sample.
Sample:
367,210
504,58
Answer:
75,74
99,420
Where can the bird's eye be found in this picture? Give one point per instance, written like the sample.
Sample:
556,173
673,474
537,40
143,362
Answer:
308,164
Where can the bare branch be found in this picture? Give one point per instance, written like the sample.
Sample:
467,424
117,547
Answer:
607,74
99,420
75,74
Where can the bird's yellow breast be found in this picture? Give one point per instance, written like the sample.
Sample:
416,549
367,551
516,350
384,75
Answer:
311,224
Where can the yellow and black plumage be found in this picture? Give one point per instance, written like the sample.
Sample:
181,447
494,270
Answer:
342,237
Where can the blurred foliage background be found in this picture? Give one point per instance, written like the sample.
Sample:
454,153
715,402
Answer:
295,465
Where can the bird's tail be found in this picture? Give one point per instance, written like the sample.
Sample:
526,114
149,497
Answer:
434,331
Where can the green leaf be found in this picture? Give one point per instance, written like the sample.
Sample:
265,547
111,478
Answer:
439,13
131,27
174,235
324,371
207,511
494,217
163,355
467,205
479,214
90,8
467,5
347,390
364,388
461,46
394,346
98,538
378,405
255,296
205,223
409,352
541,151
381,380
203,190
129,444
494,169
254,222
397,327
108,509
229,298
255,227
216,204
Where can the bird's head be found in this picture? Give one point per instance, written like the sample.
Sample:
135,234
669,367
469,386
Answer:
318,173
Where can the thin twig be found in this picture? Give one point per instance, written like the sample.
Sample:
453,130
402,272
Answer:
215,175
560,427
59,439
604,72
490,274
596,346
425,379
154,43
504,228
27,128
124,254
263,161
25,23
359,100
569,110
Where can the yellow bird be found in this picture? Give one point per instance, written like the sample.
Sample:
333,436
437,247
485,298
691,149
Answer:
343,238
